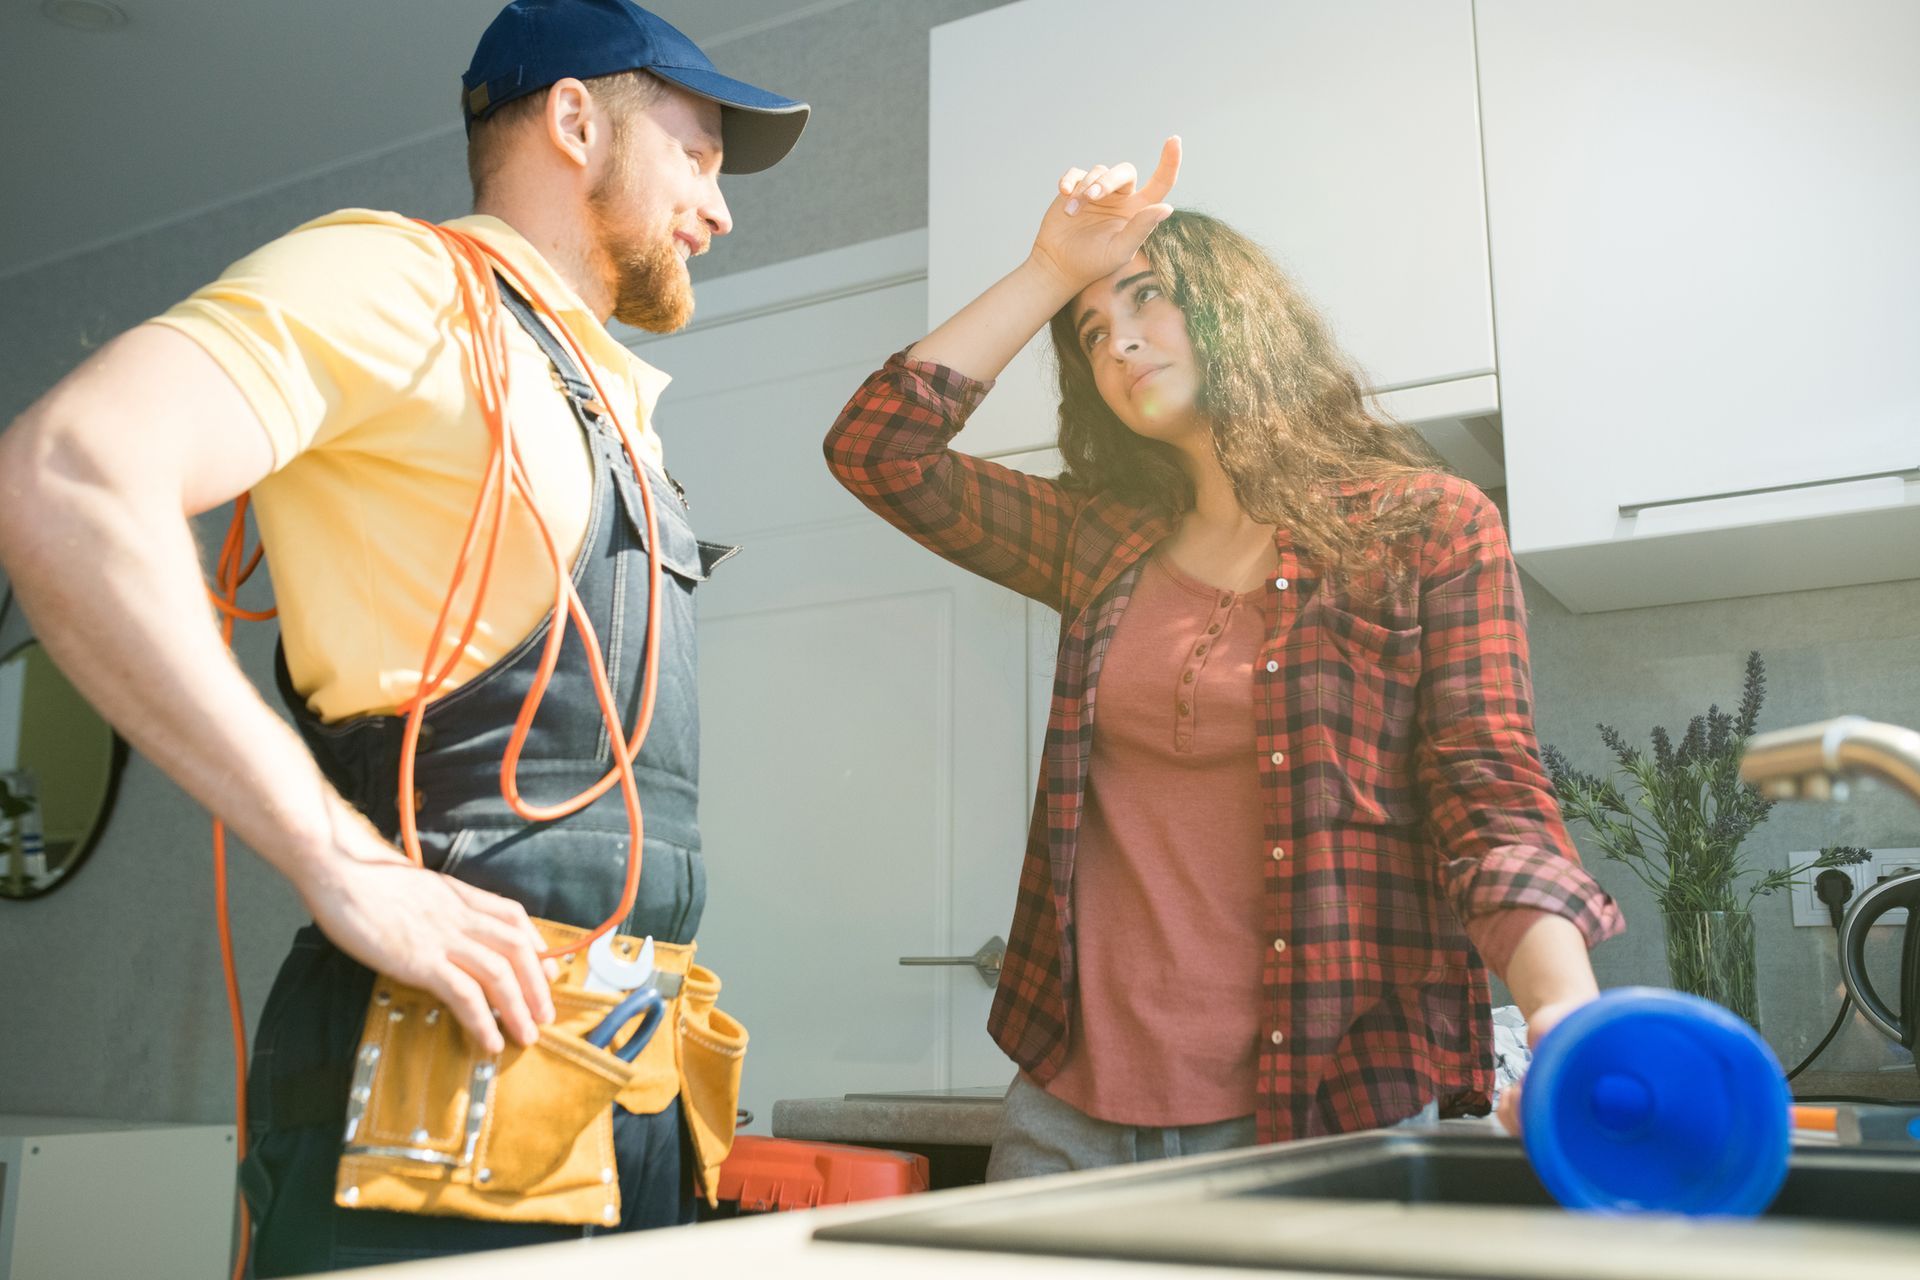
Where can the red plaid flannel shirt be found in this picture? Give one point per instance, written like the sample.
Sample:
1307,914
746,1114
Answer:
1403,785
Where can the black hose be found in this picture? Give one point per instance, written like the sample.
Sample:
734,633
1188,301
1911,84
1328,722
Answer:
1832,887
1846,1007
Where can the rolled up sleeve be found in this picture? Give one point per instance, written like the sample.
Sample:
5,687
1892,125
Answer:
1490,810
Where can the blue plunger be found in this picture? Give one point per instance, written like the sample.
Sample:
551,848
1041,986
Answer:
1648,1100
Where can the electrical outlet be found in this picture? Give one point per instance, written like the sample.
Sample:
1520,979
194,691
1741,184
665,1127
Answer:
1810,912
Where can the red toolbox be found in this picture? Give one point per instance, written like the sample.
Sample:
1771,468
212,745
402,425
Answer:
765,1175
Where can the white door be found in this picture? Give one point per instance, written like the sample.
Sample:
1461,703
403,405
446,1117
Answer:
864,777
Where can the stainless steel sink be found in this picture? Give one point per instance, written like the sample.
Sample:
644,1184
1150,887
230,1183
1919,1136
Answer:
1429,1203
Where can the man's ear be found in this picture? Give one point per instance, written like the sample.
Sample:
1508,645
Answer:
571,120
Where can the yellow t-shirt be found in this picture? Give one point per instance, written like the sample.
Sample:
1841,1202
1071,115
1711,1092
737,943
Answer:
342,336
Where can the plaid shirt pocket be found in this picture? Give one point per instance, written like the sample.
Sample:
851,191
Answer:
1357,698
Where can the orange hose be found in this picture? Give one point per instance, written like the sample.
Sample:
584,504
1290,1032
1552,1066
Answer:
474,267
239,1028
505,475
230,574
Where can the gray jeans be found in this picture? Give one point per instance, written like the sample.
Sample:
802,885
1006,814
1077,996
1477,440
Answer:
1040,1134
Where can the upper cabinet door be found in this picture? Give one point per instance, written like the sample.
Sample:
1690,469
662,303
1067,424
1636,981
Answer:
1342,137
1705,222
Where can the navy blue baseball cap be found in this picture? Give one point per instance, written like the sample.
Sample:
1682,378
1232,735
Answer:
535,43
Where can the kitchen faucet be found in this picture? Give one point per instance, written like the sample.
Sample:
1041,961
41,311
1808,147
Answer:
1816,761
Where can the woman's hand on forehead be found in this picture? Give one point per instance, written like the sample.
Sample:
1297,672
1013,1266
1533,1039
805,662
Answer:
1101,216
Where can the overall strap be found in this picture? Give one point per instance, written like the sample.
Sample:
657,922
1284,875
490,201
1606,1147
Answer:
572,378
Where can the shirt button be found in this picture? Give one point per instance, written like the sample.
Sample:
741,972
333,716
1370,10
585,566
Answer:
1281,583
1186,677
1199,651
1279,852
1214,630
1279,757
1226,602
1278,1038
1279,944
1273,666
1185,709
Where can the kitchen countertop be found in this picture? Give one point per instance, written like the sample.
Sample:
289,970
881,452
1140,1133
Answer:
781,1244
775,1244
944,1117
1888,1086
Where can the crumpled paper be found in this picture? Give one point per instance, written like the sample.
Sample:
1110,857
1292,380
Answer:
1511,1053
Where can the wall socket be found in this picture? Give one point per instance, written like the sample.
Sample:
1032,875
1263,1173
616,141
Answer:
1809,911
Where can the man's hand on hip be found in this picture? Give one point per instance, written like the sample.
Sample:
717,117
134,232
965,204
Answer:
477,952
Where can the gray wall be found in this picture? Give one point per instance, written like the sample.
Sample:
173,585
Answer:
112,1001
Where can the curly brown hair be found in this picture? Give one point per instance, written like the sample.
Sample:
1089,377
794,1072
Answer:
1290,422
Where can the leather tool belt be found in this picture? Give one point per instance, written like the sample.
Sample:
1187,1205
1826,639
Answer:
436,1127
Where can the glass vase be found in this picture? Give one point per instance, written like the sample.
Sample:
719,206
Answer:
1710,954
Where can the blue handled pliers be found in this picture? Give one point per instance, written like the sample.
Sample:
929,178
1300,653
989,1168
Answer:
641,999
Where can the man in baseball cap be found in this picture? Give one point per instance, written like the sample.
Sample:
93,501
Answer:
331,374
534,43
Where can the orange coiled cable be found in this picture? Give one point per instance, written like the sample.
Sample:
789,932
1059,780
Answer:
230,574
475,266
485,351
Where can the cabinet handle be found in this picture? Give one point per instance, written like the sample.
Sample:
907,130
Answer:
1630,509
986,961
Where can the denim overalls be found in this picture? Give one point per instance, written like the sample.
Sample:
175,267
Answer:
570,871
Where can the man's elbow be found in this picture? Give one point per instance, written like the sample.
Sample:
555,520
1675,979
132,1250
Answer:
20,497
46,460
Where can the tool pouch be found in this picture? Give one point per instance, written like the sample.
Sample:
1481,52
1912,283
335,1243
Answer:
436,1127
712,1048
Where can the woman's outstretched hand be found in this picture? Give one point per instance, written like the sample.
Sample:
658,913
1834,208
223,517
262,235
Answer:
1100,217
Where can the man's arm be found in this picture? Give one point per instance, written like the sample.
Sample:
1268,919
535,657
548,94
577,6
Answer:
98,481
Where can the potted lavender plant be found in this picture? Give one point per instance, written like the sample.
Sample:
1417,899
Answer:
1676,816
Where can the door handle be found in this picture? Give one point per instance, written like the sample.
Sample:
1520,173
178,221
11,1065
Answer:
986,961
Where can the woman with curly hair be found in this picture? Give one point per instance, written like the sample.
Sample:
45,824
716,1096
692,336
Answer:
1292,808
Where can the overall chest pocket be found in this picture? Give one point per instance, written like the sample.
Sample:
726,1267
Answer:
1359,705
682,555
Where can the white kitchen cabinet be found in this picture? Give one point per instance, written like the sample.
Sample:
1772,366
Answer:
102,1198
1343,137
1705,230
